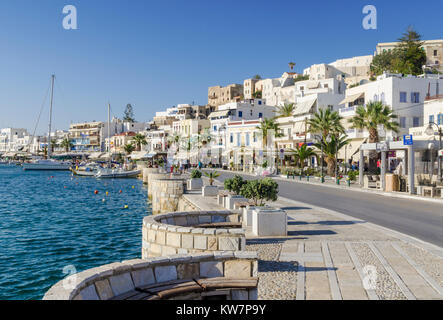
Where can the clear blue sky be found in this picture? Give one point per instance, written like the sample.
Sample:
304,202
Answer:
155,54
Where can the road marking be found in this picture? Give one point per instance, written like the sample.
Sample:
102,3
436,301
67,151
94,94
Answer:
371,292
391,271
333,282
419,269
301,275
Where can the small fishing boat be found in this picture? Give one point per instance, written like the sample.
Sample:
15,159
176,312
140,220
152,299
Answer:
116,173
88,170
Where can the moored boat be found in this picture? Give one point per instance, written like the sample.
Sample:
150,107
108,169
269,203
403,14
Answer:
116,173
48,164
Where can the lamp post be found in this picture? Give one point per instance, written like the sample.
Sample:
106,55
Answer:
320,140
430,131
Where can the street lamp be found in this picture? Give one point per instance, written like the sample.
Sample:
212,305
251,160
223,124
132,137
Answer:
319,139
430,131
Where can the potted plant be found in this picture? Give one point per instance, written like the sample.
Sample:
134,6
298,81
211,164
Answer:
234,184
211,190
195,181
260,191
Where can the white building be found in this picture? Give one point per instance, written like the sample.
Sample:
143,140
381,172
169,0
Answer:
432,113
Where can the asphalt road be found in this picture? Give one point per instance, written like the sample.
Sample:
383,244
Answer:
419,219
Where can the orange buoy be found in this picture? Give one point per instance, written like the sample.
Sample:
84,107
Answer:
96,192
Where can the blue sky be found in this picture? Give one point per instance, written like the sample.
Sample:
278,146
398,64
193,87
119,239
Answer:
156,54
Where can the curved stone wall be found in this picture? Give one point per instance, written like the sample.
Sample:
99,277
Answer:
127,279
166,194
147,172
179,233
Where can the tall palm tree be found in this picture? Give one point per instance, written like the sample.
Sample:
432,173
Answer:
370,117
301,153
140,140
287,110
331,148
326,122
266,127
292,65
67,144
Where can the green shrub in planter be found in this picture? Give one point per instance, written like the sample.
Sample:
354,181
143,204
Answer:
234,184
260,191
196,174
353,174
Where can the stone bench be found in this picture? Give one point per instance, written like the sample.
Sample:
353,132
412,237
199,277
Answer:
229,274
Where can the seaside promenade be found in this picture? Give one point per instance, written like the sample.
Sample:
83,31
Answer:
328,255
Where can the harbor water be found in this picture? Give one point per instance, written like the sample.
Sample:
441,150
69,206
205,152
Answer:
53,224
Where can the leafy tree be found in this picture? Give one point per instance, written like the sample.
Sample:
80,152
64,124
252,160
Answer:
257,77
212,176
129,113
196,174
331,148
301,78
257,94
140,140
370,117
234,184
383,62
260,191
302,153
287,110
266,127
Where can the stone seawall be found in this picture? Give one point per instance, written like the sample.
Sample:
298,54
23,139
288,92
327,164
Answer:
143,279
147,172
181,233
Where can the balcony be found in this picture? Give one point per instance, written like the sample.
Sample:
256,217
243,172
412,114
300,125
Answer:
347,112
356,133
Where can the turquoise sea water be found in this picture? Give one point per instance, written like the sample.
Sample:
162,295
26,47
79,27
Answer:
50,220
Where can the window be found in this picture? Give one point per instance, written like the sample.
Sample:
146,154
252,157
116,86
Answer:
402,122
259,102
260,115
382,97
215,128
440,119
375,97
232,138
416,122
247,139
240,114
238,140
415,97
431,118
435,53
403,96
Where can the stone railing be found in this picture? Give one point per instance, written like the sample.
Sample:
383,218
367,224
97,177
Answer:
182,276
154,176
192,232
166,194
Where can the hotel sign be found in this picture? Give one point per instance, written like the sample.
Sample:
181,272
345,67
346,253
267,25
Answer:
407,140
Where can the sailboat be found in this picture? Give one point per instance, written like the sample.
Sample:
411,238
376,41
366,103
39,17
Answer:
48,164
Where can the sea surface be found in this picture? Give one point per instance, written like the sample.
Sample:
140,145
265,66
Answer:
53,224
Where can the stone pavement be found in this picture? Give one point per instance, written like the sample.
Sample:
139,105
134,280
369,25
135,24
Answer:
331,256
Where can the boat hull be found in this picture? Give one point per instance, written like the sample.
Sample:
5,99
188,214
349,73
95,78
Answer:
46,167
118,175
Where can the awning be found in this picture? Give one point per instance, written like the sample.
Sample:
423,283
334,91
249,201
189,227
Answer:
105,156
353,97
304,107
351,149
299,127
313,85
217,114
95,155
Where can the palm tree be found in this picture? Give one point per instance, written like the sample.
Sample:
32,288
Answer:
301,153
212,176
331,147
287,110
291,65
129,148
266,127
140,140
175,139
370,117
67,144
326,122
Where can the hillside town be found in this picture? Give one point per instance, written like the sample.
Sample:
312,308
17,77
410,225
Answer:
263,123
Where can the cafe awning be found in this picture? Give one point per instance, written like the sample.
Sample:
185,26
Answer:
353,97
217,114
351,149
304,107
299,127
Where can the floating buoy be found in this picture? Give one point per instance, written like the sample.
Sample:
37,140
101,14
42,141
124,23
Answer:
65,187
107,193
120,191
133,187
103,200
126,206
96,192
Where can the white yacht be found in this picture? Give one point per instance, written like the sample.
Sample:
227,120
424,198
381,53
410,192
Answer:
48,164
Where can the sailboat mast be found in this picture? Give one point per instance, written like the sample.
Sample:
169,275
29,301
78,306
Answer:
109,131
50,117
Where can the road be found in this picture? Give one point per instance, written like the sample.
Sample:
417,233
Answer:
419,219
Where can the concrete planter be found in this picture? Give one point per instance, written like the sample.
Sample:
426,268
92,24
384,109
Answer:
247,216
269,222
209,191
232,199
195,184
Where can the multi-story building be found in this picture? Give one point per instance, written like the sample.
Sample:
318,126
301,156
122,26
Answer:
405,95
432,113
118,142
187,111
14,139
218,95
433,49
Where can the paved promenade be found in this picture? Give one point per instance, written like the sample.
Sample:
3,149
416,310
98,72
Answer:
331,256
